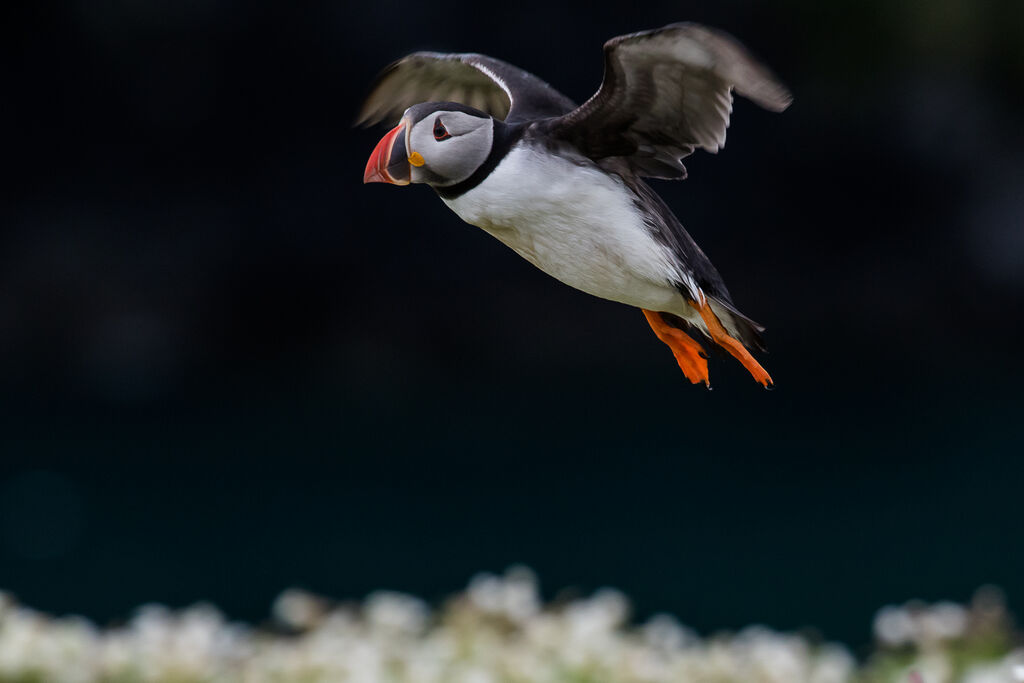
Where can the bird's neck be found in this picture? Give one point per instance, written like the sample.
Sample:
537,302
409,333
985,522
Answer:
505,136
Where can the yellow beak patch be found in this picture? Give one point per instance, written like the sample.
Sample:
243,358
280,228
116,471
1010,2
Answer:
416,159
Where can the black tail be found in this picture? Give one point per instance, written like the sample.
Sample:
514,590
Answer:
738,325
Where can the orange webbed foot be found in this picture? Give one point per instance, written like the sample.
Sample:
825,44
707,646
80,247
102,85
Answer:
733,346
689,354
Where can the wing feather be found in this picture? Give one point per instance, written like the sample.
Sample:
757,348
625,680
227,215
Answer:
490,85
666,93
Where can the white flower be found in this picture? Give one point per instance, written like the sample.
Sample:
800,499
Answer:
499,632
298,609
485,591
943,621
833,665
663,632
520,598
894,626
395,612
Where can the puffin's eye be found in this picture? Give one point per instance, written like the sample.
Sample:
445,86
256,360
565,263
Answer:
440,132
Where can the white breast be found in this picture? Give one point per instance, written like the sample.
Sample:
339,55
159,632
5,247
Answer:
576,223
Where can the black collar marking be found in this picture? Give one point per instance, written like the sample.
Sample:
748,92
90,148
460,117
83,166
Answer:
505,136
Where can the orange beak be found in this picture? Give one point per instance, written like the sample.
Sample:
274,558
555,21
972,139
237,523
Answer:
389,163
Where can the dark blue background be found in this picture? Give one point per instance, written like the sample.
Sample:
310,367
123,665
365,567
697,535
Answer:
227,367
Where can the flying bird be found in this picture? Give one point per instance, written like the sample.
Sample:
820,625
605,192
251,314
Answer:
562,185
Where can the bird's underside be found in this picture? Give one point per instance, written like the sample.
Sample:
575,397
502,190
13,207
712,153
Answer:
562,185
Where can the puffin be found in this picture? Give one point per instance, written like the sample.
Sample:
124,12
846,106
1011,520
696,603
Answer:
563,185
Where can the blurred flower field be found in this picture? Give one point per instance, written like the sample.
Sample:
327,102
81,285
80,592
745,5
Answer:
497,631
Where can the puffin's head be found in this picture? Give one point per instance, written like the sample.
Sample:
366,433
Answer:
437,143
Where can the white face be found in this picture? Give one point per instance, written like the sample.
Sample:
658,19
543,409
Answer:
446,147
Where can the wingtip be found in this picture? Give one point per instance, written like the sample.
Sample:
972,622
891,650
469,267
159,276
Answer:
368,117
364,120
768,93
782,101
360,121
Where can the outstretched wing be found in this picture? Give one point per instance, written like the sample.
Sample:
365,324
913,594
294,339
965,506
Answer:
490,85
665,93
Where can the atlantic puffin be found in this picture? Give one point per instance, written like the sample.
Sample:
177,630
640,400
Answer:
562,185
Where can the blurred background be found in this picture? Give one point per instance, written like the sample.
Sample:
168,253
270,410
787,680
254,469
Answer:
227,367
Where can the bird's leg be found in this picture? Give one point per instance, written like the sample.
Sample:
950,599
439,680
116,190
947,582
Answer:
689,354
734,347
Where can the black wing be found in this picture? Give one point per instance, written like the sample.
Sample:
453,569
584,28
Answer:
665,93
490,85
